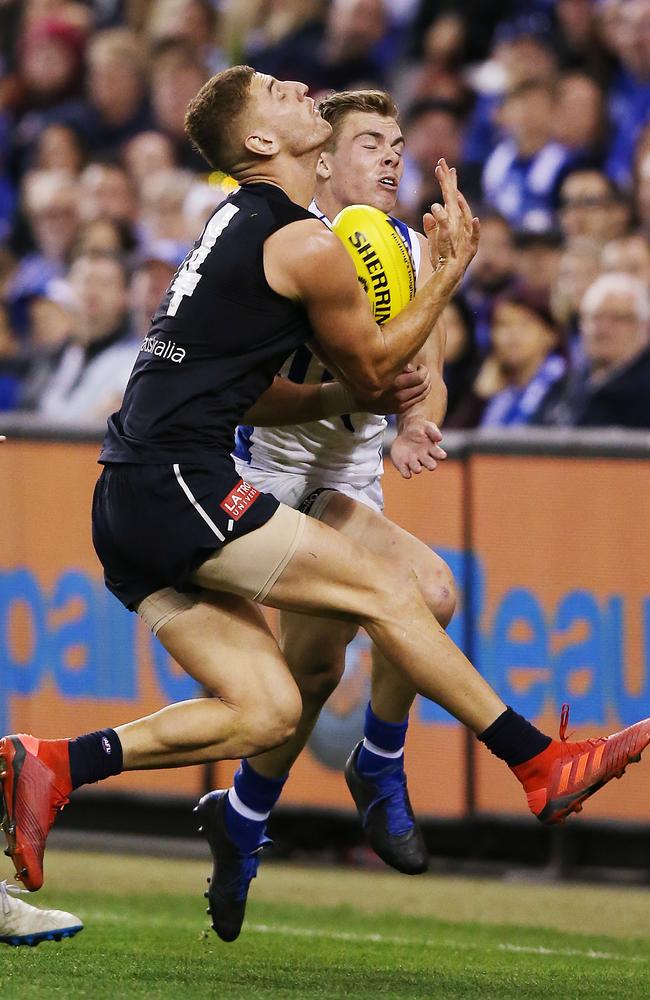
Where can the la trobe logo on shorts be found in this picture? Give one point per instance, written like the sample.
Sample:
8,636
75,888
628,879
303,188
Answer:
165,349
239,499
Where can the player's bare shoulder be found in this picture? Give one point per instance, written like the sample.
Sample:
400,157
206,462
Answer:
297,257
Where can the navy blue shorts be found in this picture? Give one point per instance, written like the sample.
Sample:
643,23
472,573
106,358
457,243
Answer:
153,525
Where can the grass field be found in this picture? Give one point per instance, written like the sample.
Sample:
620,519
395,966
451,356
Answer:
331,933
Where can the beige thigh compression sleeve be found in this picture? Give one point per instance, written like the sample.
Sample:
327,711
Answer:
248,566
159,608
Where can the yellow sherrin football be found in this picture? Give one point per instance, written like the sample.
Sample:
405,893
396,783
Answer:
381,258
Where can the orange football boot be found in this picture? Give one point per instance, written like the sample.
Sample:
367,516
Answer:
35,778
559,779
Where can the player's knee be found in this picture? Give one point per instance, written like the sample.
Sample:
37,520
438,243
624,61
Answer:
318,666
275,722
398,585
288,714
404,585
435,588
319,685
439,591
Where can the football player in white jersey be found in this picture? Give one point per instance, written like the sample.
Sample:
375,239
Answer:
331,469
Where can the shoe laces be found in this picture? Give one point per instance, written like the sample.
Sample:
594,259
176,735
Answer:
5,899
391,787
564,722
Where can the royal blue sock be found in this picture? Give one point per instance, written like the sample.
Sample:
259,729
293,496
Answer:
383,744
248,806
513,738
94,756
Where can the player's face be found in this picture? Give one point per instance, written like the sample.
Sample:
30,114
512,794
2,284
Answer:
282,109
366,165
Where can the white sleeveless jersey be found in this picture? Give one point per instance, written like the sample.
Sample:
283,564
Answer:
345,449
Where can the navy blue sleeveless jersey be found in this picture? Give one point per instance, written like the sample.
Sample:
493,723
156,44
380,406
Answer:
217,340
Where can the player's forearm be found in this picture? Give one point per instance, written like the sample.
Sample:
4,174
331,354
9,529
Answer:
285,403
431,355
432,409
399,340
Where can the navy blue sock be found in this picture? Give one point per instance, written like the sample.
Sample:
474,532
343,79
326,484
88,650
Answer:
513,738
94,756
248,805
383,744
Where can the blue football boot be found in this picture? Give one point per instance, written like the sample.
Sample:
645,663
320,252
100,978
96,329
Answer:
383,804
233,870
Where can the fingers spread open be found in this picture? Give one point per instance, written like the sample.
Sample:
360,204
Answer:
447,179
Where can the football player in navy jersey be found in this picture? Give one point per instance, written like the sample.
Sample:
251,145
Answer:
192,547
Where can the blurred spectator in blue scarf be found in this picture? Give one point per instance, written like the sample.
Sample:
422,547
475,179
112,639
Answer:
522,176
629,96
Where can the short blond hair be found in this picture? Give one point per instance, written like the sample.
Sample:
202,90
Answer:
338,106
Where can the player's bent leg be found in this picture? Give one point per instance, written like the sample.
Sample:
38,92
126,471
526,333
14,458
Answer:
235,821
257,705
224,642
356,521
324,572
314,649
330,574
346,579
392,694
375,771
383,804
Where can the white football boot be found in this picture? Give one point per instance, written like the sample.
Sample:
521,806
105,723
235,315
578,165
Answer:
21,923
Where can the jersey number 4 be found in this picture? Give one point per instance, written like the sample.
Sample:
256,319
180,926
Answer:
188,276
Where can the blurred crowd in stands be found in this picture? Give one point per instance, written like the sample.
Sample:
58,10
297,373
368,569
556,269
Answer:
544,107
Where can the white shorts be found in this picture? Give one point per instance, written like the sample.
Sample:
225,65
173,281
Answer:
310,494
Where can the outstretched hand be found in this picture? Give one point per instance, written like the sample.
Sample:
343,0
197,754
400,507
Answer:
452,231
416,448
